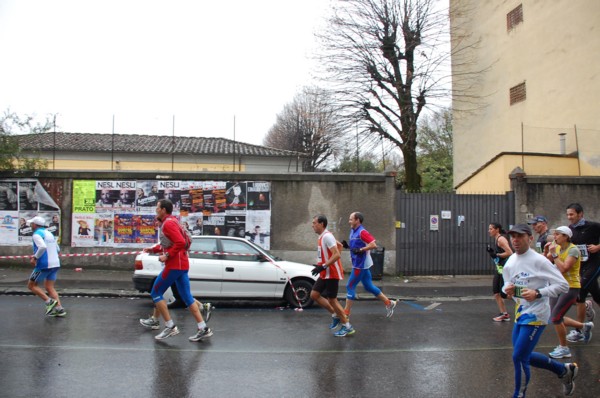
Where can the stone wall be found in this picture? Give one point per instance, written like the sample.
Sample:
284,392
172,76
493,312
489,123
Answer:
550,196
296,198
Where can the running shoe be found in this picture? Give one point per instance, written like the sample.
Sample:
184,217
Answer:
201,334
590,314
345,331
59,313
502,317
50,305
587,331
560,352
335,321
575,336
569,378
151,323
390,308
167,332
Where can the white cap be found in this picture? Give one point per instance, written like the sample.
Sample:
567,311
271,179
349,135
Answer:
565,231
37,220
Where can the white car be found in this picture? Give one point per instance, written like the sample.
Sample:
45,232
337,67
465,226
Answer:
233,268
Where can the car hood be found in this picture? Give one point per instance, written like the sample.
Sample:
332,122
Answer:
300,268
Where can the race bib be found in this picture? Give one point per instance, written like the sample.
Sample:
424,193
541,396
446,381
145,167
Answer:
584,252
519,286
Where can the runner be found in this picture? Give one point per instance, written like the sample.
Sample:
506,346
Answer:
330,271
361,244
172,246
529,278
47,264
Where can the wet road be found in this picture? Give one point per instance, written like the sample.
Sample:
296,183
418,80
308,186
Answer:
428,349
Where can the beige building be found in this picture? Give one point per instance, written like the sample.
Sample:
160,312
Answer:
131,152
526,94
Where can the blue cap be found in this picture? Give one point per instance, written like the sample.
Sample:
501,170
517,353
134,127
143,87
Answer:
537,219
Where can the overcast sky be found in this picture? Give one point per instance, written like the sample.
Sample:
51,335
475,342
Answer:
144,62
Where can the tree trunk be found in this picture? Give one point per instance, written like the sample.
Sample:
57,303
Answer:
412,181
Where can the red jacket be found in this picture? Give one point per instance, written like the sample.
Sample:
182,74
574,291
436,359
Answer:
178,256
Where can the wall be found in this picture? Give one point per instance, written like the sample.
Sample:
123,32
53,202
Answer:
561,82
494,176
296,198
549,196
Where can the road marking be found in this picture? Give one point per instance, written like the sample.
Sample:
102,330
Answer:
432,306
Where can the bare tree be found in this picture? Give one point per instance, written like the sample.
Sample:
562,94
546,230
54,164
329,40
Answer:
309,124
12,125
387,60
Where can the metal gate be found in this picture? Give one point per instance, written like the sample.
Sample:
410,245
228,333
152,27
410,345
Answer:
447,234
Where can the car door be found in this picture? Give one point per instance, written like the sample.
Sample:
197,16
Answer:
244,274
206,268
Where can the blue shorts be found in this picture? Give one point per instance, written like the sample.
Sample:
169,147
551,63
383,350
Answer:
166,279
39,275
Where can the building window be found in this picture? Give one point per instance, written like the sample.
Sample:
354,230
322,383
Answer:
514,17
518,93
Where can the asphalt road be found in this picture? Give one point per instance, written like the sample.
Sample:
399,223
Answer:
428,349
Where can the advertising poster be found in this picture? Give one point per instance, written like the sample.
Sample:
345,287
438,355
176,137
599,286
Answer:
214,225
171,190
8,195
115,195
146,196
84,195
82,227
54,224
123,233
103,229
259,195
25,231
21,200
124,211
215,197
236,197
194,223
235,226
9,227
145,229
258,228
27,196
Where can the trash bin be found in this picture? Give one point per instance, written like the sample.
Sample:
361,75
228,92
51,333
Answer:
377,255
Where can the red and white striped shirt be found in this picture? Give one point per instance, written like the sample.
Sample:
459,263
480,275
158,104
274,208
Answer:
324,253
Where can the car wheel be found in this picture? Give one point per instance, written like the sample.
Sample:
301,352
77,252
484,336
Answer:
303,288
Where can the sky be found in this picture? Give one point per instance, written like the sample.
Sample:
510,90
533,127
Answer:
189,67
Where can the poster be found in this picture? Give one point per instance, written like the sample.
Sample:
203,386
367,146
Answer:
235,194
103,229
146,196
9,227
258,228
8,195
123,229
145,229
27,197
21,200
124,211
259,195
84,194
83,232
115,195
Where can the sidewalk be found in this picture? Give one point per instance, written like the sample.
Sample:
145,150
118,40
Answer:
118,283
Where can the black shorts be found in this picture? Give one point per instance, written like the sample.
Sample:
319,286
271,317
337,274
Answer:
497,285
327,288
561,304
589,283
